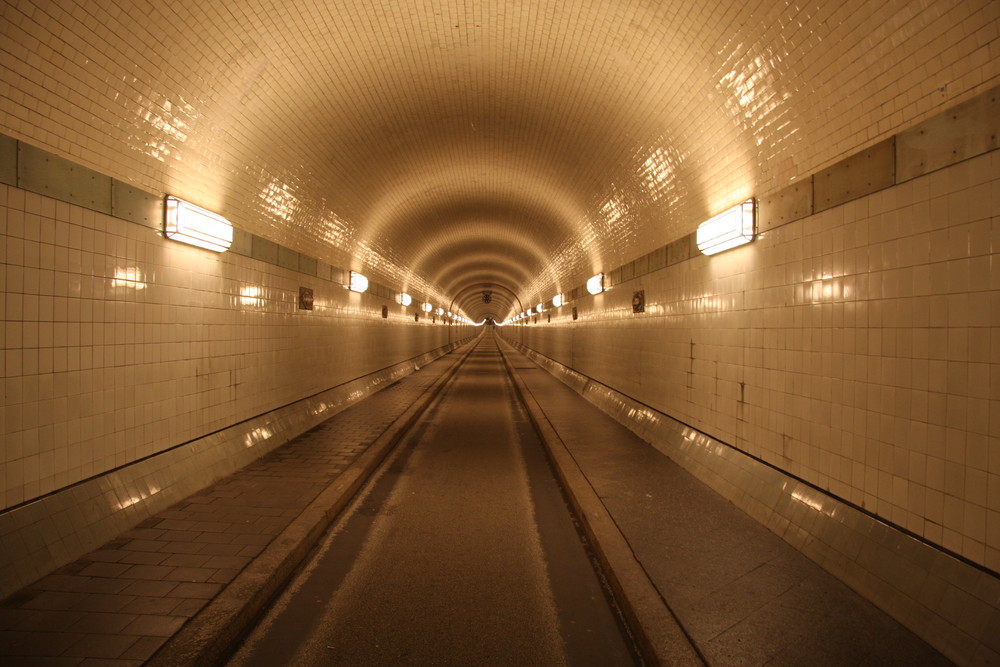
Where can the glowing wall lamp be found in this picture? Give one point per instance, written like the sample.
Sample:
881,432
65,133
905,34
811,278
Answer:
358,282
557,300
595,285
185,222
427,307
729,229
405,299
540,309
440,311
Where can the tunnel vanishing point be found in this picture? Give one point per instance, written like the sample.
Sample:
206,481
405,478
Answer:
544,169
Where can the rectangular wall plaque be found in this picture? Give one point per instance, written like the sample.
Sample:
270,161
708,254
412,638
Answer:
305,298
639,301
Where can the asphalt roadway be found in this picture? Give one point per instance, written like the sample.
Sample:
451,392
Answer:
460,551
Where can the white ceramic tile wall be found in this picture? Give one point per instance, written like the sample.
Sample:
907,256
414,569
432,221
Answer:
119,344
563,134
950,603
857,349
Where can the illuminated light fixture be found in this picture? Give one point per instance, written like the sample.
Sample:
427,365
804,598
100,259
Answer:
530,312
405,299
729,229
358,282
557,300
440,311
540,309
595,285
194,225
427,307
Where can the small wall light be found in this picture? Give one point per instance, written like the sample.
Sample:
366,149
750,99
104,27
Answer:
427,307
540,309
729,229
557,300
440,311
595,285
358,282
194,225
405,299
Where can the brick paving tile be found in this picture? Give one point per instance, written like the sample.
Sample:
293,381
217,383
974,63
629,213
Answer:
150,588
188,574
186,560
100,603
106,569
143,557
118,604
52,621
152,572
102,624
187,606
153,605
155,626
224,576
100,646
143,648
196,590
37,643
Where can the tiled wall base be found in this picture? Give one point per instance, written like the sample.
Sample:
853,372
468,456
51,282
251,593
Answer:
953,605
38,537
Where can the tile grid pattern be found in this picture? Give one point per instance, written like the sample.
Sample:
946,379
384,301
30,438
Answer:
592,129
946,601
855,349
742,595
124,600
118,344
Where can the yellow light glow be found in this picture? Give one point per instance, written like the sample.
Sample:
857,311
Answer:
185,222
427,307
731,228
557,300
359,283
130,277
405,299
595,285
251,295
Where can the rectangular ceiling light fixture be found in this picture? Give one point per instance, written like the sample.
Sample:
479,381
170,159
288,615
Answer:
595,285
729,229
358,282
185,222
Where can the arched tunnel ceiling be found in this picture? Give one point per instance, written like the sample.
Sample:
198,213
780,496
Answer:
436,145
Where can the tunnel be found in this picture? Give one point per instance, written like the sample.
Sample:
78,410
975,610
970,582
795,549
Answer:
758,237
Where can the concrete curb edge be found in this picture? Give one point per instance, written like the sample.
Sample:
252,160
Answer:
208,637
658,634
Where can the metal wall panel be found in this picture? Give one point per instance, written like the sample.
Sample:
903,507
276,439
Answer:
135,205
964,131
861,174
53,176
792,203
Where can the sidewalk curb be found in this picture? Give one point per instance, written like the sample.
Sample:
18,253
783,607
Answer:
207,638
660,638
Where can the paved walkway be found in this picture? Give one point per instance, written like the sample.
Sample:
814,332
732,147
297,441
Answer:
120,604
740,592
